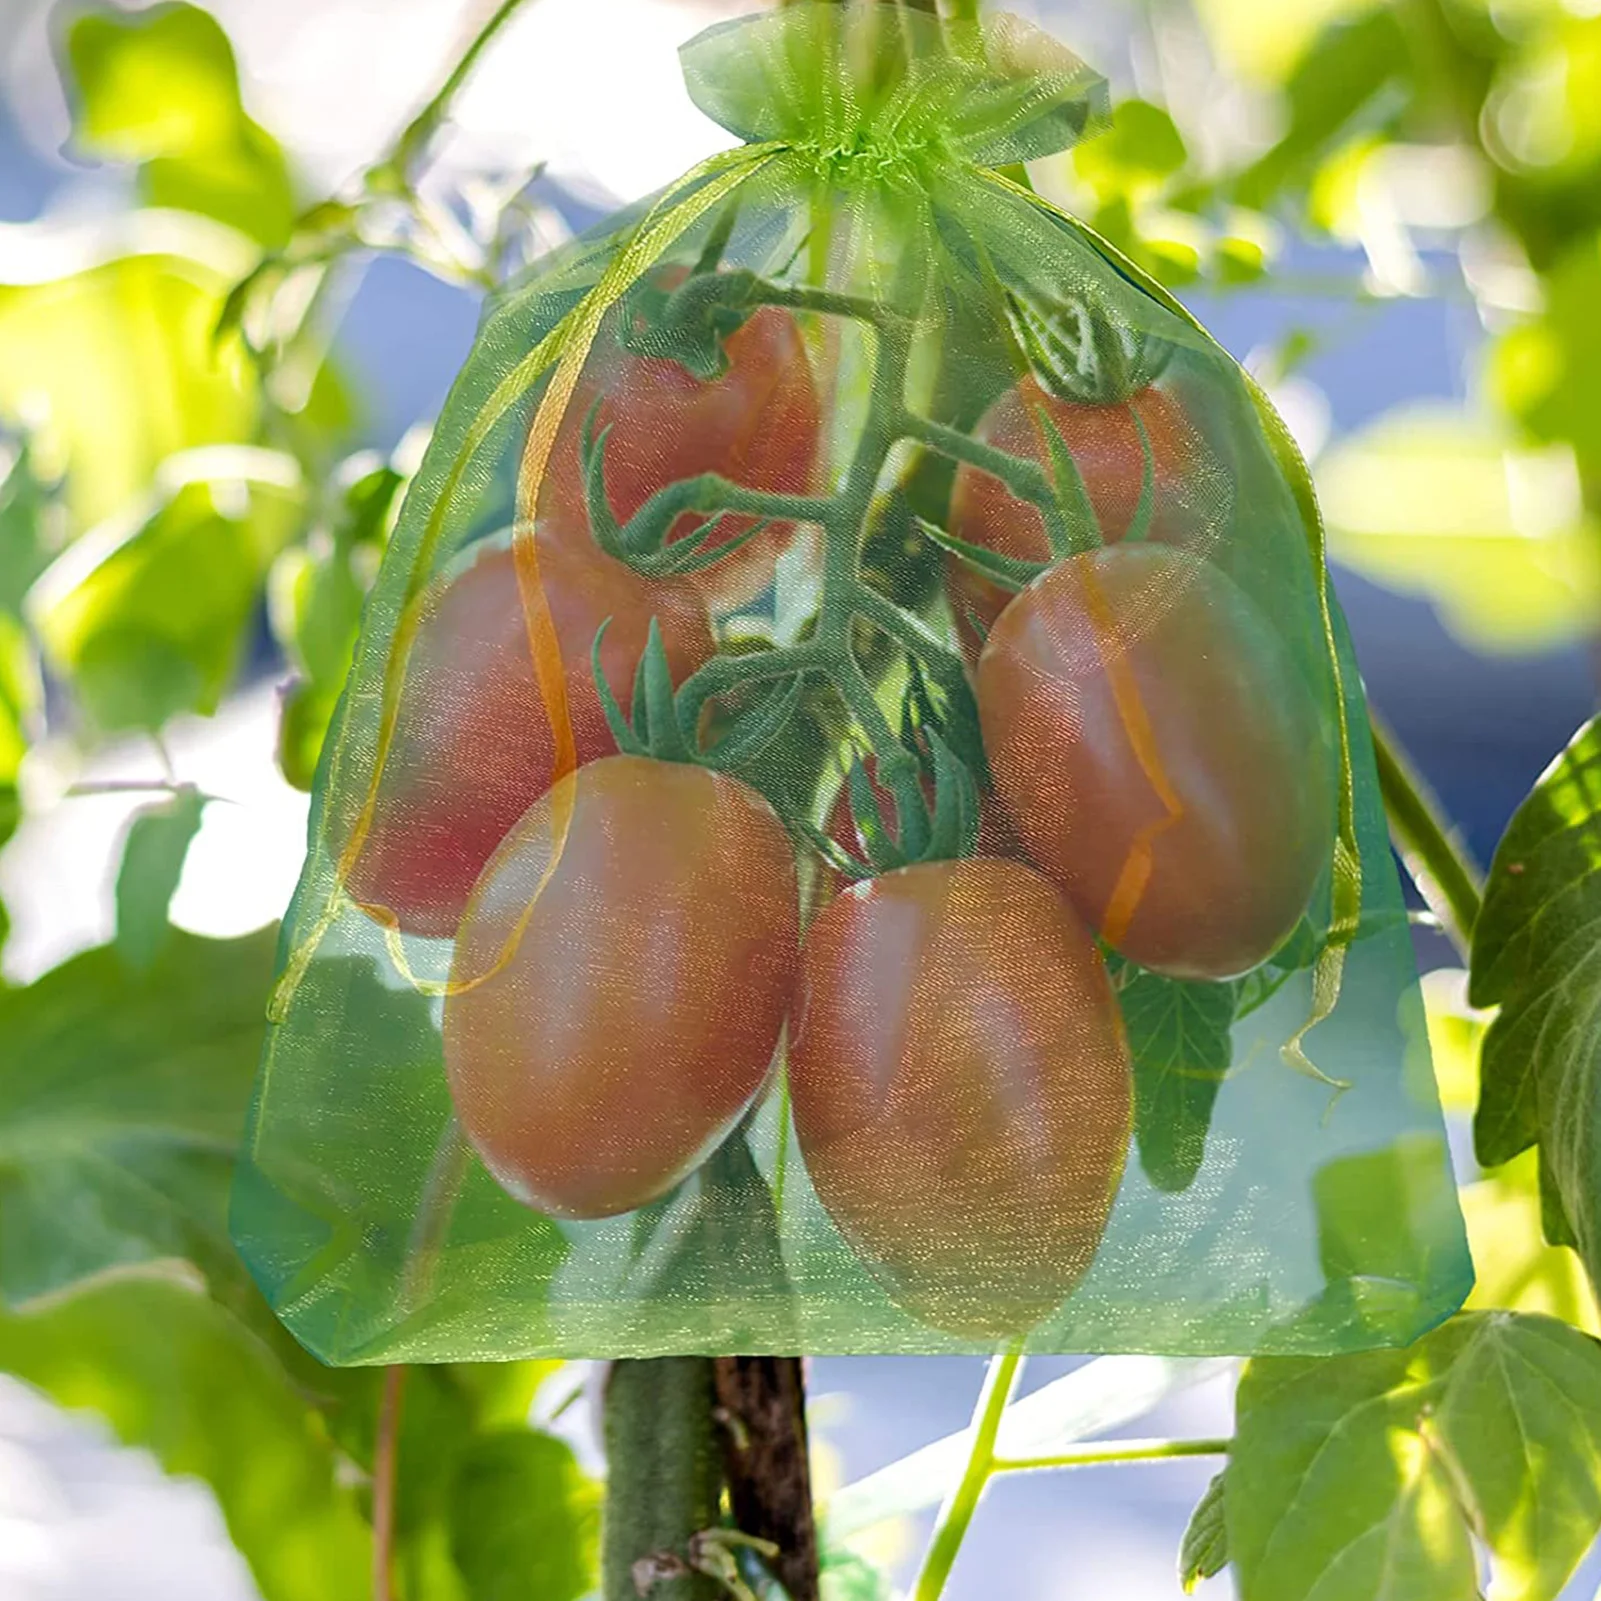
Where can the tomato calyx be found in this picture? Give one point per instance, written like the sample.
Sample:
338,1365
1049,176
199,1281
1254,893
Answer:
691,322
1079,353
938,828
655,727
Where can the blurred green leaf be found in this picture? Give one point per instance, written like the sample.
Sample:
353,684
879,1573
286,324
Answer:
160,87
152,862
21,696
1361,1198
28,511
1388,1228
1368,1477
1456,1036
1265,43
1439,503
1546,370
1348,83
316,595
1517,1271
1179,1037
174,1373
122,1100
1205,1551
1142,148
525,1519
107,354
1543,114
171,1371
846,1576
1537,954
150,617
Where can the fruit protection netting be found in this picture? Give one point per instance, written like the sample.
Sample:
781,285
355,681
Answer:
853,824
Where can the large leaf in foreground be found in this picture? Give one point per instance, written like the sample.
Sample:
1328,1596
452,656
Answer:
171,1371
1369,1477
1537,954
122,1100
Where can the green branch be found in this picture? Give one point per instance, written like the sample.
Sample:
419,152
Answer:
957,1513
419,132
1118,1451
1446,875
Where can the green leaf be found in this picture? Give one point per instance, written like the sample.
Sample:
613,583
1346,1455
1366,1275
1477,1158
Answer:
1205,1551
21,697
1546,369
1143,148
122,1099
1348,82
1537,954
106,339
160,87
316,592
1443,504
152,619
152,863
1179,1037
525,1519
28,510
1517,1271
846,1576
1369,1477
173,1372
1384,1218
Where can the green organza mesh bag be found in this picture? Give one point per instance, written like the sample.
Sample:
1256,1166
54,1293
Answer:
852,827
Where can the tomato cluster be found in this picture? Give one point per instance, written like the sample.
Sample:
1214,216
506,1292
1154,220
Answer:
1145,774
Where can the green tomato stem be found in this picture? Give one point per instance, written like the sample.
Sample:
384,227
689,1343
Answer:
664,1475
420,130
1446,875
957,1514
1025,479
1117,1451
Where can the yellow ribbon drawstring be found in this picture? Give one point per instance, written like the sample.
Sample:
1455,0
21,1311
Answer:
566,347
1346,905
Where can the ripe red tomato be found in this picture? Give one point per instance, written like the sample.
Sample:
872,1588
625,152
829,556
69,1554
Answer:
757,425
473,746
1105,446
617,1009
1161,755
961,1089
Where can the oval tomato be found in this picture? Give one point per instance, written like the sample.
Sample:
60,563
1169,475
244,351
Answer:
473,746
618,996
961,1089
757,425
1105,446
1161,756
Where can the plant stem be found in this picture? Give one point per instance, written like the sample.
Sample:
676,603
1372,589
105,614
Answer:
386,1452
957,1513
1117,1451
420,130
1446,875
762,1402
664,1477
